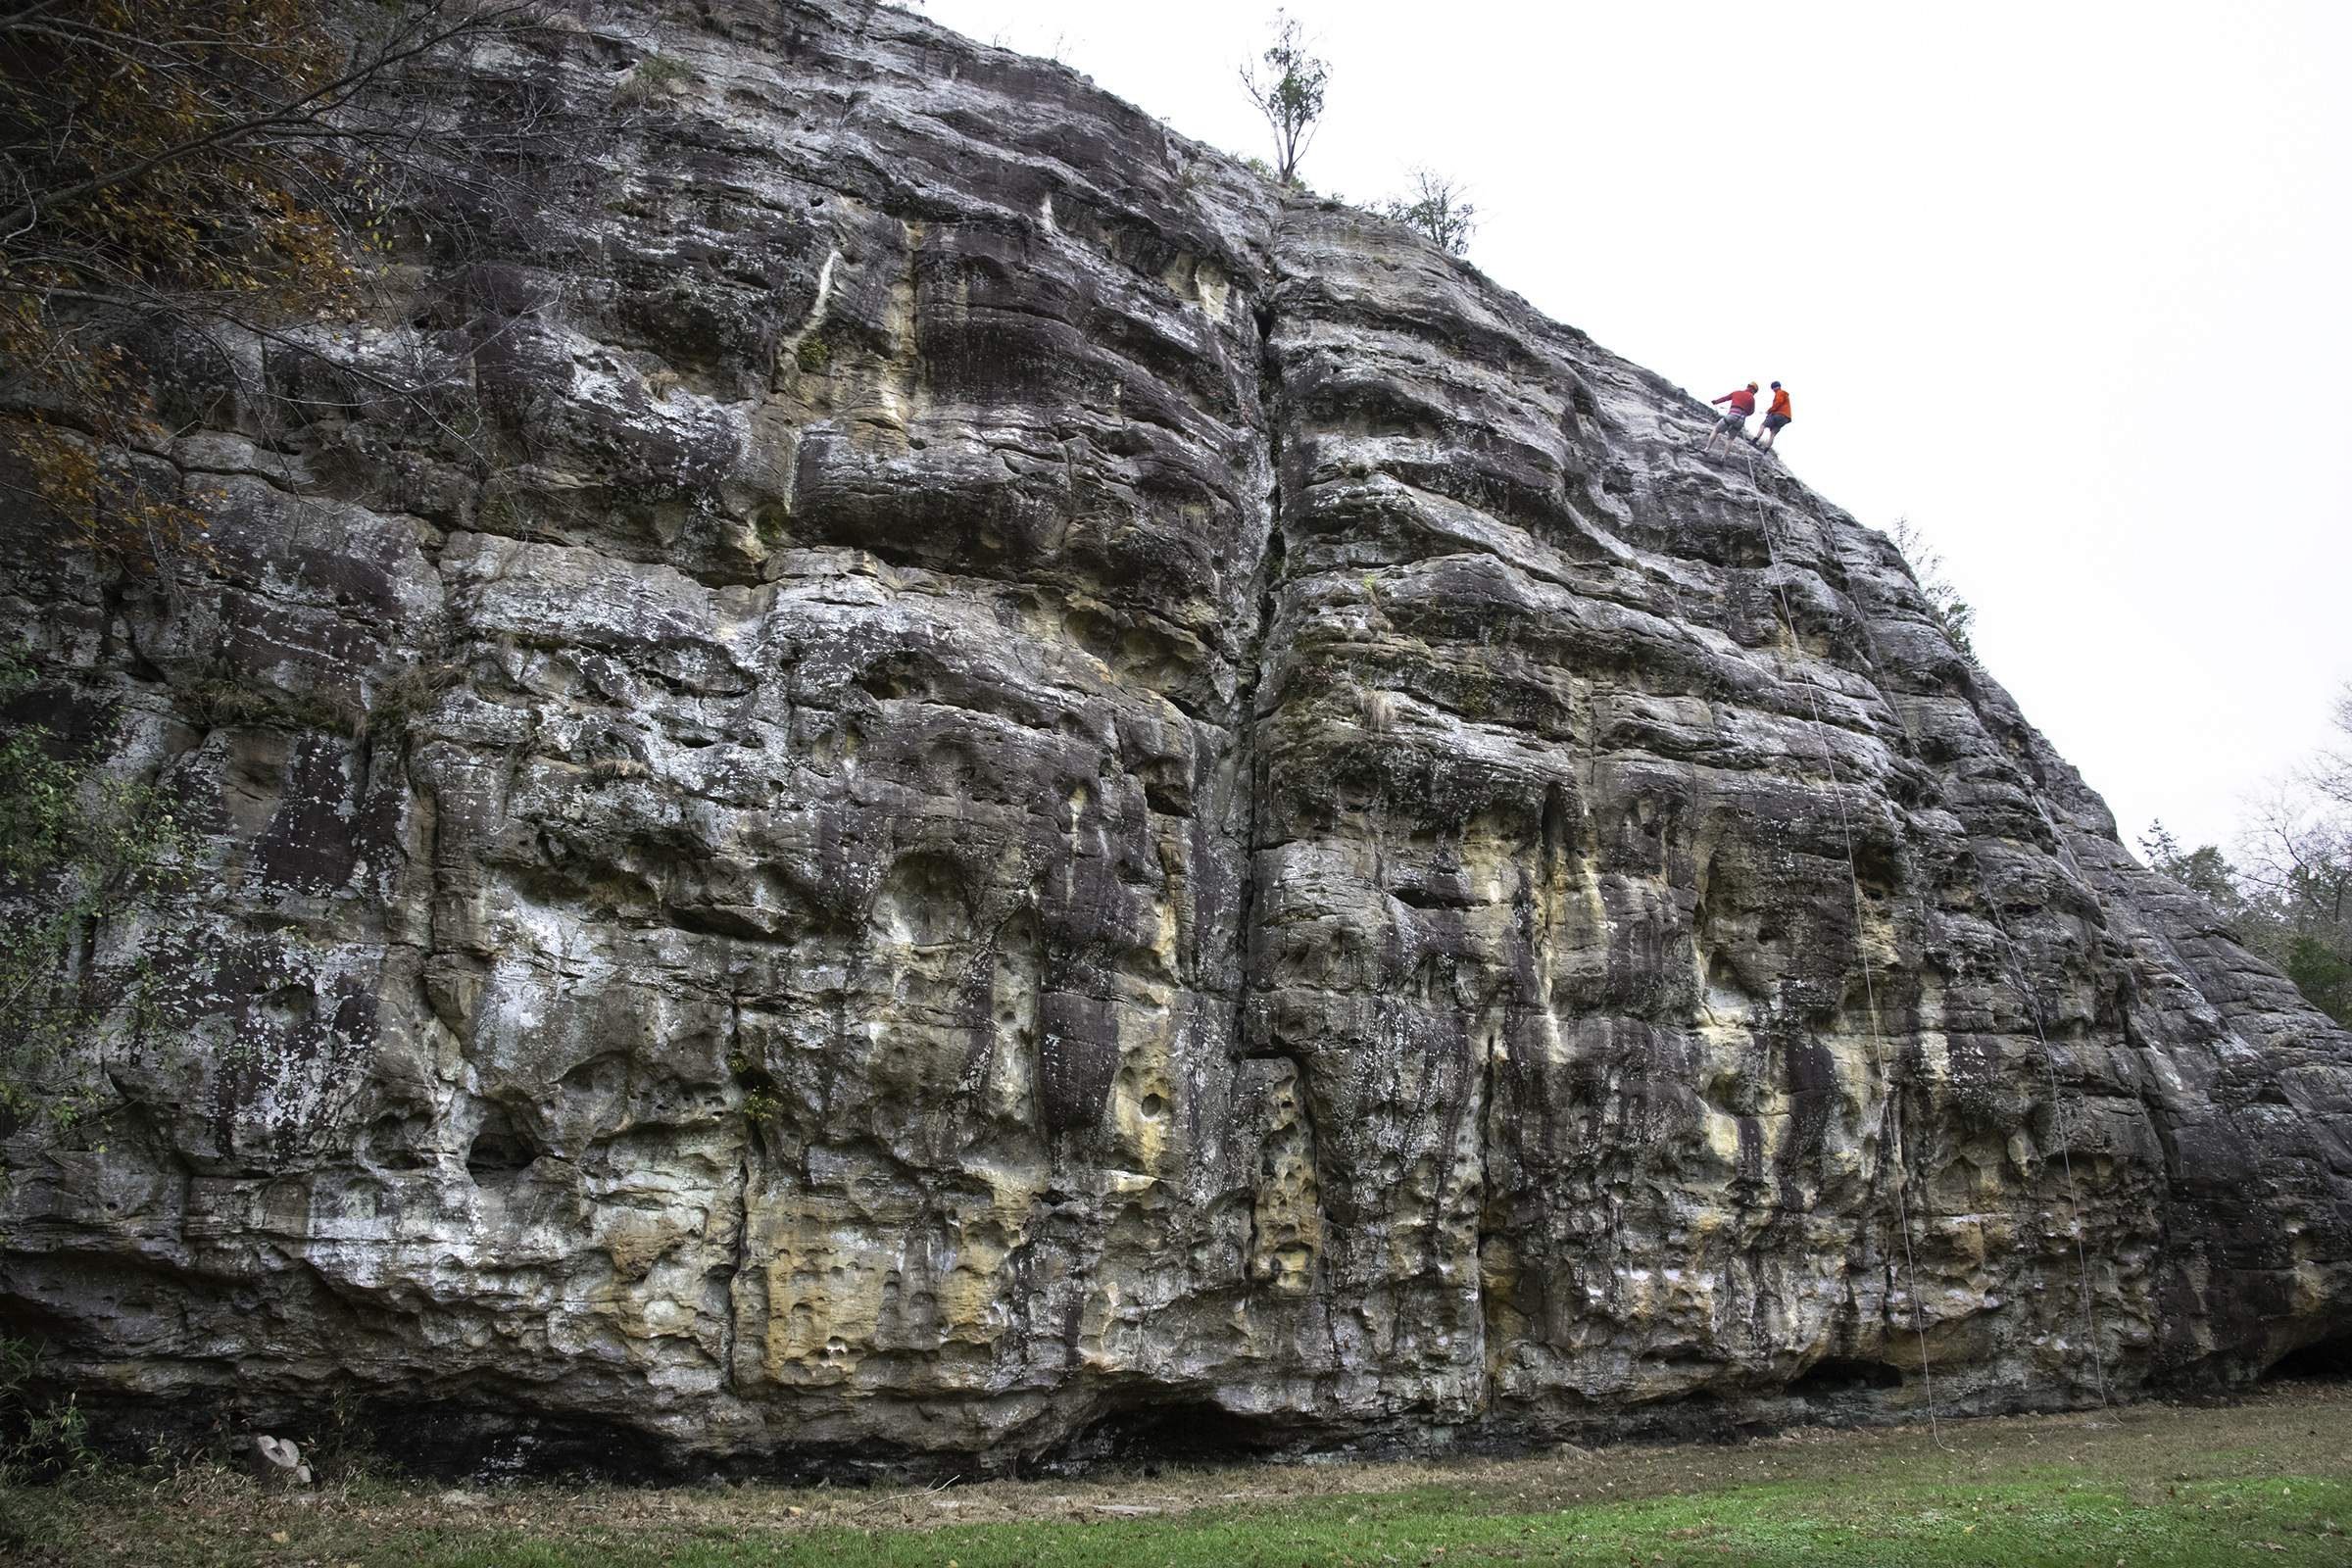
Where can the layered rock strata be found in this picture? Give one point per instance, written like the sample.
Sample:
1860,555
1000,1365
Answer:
969,786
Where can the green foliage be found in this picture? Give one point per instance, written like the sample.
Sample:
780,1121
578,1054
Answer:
2296,875
2055,1513
82,852
341,1446
1954,615
813,355
2204,869
760,1102
1289,90
2321,970
39,1440
1436,211
653,79
2291,900
662,70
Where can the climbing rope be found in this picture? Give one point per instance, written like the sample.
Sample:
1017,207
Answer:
2018,979
2030,996
1870,988
2065,1155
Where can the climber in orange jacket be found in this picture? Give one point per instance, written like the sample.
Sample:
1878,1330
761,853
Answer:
1734,419
1776,419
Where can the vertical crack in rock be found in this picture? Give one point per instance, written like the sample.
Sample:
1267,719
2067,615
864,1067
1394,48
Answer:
739,1245
1266,1177
1488,1348
1256,651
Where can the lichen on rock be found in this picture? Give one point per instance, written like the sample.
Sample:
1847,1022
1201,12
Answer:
1029,799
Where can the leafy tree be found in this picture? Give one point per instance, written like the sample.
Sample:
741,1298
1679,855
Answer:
2299,875
1436,210
198,169
2321,970
2290,893
85,858
1288,90
2204,869
1954,615
2160,847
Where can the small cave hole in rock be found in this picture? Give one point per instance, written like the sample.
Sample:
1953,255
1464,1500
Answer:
1878,866
399,1140
1838,1374
500,1147
285,1010
2329,1360
1555,827
1184,1431
1425,897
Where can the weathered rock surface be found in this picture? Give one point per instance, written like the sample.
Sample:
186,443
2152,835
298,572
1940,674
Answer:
1019,796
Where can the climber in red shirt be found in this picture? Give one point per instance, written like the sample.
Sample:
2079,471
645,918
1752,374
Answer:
1778,418
1734,419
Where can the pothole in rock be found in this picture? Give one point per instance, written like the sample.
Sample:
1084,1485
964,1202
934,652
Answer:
501,1152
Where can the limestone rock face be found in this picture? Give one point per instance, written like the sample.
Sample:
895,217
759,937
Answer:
968,787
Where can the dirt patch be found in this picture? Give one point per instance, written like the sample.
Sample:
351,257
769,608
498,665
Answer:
2143,1453
2286,1425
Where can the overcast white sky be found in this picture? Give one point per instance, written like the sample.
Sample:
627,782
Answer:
2065,283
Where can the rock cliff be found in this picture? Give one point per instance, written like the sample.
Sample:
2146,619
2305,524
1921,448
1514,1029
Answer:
972,788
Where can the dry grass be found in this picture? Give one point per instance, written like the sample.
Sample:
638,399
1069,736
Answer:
2146,1483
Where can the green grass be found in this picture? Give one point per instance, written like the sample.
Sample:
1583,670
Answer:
2053,1520
2148,1487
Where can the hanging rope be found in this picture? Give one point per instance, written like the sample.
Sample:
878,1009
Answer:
1870,990
2026,994
2065,1155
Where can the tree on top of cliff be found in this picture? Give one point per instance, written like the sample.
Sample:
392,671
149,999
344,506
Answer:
1288,90
192,170
1437,211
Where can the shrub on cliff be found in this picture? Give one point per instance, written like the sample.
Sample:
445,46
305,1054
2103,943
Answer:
1954,615
1434,208
84,857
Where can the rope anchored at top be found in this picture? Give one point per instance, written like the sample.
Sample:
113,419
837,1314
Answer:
2018,979
1870,990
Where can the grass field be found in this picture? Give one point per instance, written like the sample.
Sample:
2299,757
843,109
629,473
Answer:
2268,1480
